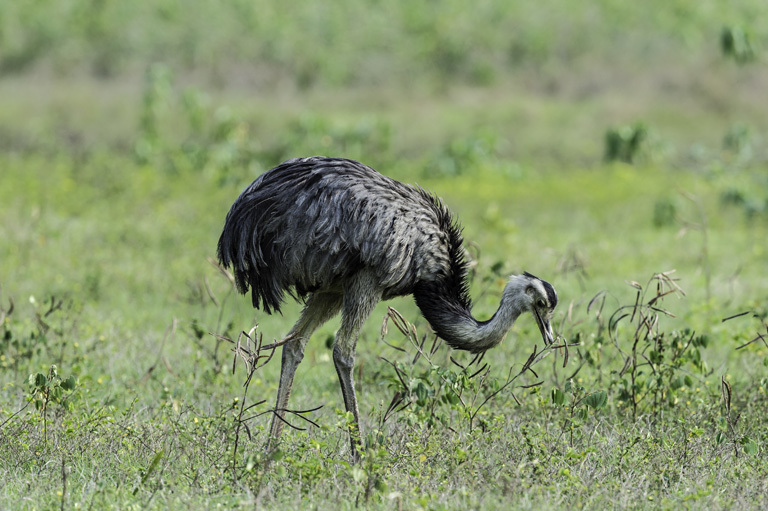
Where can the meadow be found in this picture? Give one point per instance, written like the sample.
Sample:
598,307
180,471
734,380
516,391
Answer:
615,149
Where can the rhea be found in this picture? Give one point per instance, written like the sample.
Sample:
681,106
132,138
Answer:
342,237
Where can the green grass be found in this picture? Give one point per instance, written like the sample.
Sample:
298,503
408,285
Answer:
127,132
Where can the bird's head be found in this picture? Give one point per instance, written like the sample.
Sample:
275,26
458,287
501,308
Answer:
537,296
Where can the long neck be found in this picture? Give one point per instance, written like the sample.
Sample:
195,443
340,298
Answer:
451,318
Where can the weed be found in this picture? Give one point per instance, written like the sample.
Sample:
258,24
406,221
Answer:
254,354
658,365
736,44
577,402
664,213
462,155
648,346
157,96
50,389
311,134
431,394
625,143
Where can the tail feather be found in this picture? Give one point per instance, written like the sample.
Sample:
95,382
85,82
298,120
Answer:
248,251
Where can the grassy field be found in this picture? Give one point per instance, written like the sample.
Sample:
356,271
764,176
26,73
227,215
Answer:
597,146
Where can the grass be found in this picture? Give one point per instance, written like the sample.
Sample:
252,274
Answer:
117,172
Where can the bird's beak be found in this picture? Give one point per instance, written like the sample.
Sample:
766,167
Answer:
545,327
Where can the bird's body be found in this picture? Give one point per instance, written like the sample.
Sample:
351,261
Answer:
316,222
344,237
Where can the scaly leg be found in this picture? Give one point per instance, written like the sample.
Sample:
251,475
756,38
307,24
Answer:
319,309
360,297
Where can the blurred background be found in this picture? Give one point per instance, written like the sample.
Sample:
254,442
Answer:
591,143
535,83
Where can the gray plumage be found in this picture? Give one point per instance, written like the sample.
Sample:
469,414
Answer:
343,237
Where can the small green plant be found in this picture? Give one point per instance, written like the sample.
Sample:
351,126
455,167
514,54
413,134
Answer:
761,338
212,141
736,44
158,91
47,389
146,474
738,140
375,460
313,134
577,401
664,213
24,339
462,155
729,424
433,393
657,364
625,143
254,354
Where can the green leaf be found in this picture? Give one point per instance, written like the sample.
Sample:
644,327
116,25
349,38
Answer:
597,400
421,394
40,380
750,446
558,397
358,474
69,383
152,467
276,455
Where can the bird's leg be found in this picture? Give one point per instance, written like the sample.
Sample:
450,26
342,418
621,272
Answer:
359,301
293,353
319,309
345,362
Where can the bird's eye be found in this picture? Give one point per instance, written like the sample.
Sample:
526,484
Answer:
540,303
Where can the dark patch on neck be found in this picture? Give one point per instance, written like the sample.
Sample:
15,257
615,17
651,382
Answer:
445,301
455,283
